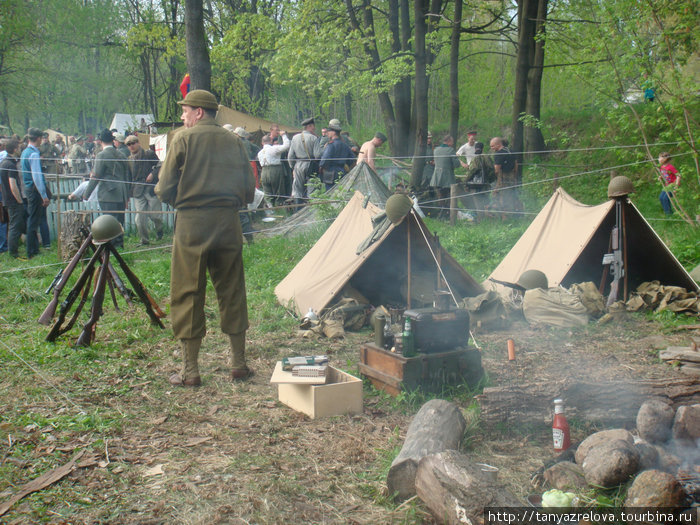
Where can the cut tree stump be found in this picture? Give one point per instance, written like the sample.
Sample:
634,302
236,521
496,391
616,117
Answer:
438,426
613,403
456,490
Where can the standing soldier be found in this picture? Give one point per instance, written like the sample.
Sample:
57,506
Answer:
142,163
111,177
77,156
303,152
206,176
444,173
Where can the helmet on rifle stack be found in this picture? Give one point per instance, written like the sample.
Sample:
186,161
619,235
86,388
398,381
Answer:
105,228
531,279
620,186
397,207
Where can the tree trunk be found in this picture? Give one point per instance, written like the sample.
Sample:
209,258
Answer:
438,426
454,70
533,134
421,101
527,12
198,63
456,490
613,403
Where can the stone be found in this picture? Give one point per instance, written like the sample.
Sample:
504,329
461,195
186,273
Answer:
654,421
611,463
601,437
667,461
565,475
648,455
686,424
654,488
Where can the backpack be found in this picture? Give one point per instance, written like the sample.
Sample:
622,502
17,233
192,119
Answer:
508,160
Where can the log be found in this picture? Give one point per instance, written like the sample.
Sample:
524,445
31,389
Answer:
456,491
611,403
680,353
439,425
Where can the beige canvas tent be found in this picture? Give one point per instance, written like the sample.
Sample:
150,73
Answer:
249,122
567,241
379,272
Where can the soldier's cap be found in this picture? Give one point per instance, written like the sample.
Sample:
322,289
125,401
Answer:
332,127
241,132
131,139
308,121
45,134
106,136
119,137
200,98
333,122
35,133
381,136
471,133
228,127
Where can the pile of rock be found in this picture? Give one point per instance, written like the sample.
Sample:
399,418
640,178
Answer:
665,449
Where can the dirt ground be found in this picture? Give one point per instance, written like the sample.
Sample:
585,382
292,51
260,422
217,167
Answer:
231,453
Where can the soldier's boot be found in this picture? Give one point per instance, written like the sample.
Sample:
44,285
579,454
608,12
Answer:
189,376
239,370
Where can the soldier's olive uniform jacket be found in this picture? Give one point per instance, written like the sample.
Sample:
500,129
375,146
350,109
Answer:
206,166
111,177
207,176
141,165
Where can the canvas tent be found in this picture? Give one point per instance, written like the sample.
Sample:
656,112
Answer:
361,178
379,272
567,241
124,122
250,123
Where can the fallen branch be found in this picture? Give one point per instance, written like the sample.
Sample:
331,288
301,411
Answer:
43,481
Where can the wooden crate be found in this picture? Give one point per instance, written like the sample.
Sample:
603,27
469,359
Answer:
393,373
341,394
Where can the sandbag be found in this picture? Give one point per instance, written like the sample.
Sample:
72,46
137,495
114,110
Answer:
554,306
590,296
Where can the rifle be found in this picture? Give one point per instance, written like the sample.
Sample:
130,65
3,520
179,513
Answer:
514,286
54,282
81,304
98,298
73,294
154,311
614,259
47,315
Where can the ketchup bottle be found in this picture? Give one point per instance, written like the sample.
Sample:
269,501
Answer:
560,428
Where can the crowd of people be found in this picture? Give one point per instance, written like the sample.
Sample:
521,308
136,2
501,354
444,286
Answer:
115,169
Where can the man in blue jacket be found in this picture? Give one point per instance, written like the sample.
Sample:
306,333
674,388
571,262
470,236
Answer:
335,156
35,186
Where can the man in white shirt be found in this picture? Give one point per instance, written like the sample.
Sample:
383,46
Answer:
273,172
467,150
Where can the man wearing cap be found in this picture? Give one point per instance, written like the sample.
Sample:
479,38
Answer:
35,188
206,176
111,178
467,149
273,177
303,152
368,151
120,144
505,194
142,163
334,158
77,156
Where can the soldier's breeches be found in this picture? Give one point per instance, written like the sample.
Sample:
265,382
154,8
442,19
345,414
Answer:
207,240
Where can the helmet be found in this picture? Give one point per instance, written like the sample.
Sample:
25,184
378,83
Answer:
200,98
397,207
620,186
531,279
105,228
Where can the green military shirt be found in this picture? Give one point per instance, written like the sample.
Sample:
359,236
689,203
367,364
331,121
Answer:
111,177
206,166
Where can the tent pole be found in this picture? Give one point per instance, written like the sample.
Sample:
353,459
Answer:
408,262
624,249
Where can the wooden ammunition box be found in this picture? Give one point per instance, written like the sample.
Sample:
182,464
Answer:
394,373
